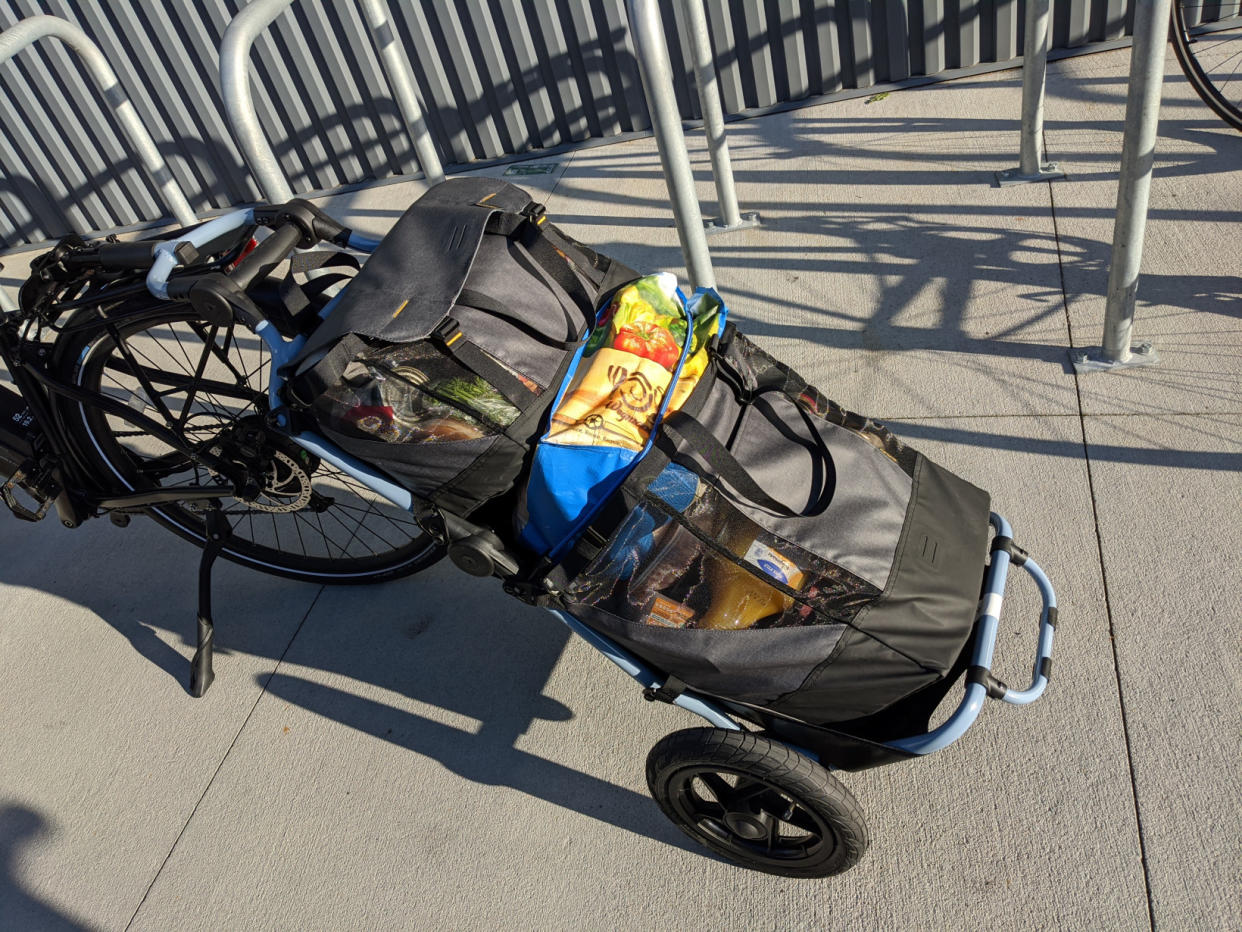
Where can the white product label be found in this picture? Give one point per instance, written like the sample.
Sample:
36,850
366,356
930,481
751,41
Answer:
771,562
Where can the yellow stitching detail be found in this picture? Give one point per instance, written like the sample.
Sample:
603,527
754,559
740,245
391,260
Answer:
400,309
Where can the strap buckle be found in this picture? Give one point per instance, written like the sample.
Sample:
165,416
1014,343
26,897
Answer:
447,331
668,691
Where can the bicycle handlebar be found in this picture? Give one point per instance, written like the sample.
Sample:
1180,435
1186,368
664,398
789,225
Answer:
297,224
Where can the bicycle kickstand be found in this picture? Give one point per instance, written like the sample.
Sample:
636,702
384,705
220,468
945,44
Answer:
218,533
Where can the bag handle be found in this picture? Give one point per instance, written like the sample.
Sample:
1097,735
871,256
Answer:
691,432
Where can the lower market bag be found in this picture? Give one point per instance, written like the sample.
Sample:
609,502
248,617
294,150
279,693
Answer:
779,551
441,357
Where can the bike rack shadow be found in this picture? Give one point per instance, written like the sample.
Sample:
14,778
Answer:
19,827
439,638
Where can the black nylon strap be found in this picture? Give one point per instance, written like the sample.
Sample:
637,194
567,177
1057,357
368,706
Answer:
476,299
306,386
453,342
689,432
588,265
546,256
303,262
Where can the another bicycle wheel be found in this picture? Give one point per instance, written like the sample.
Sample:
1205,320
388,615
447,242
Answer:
1207,38
757,802
208,384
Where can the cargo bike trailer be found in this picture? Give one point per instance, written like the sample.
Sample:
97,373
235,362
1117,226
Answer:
761,797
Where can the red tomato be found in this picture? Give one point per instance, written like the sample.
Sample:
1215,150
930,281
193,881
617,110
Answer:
650,341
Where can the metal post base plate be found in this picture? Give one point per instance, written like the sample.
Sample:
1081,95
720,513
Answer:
1047,171
1141,354
750,219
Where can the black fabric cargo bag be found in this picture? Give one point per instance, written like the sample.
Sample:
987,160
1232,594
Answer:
777,550
443,354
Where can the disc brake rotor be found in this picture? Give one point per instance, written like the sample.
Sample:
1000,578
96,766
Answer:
288,486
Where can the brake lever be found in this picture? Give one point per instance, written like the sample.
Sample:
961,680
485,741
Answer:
217,299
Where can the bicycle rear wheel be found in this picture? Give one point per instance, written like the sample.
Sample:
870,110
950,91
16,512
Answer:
208,383
1207,39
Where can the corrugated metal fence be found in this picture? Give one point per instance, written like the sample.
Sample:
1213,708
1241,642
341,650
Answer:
497,77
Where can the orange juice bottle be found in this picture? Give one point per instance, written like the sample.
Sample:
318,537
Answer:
738,597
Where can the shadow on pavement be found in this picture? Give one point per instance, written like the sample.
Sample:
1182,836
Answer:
19,827
440,639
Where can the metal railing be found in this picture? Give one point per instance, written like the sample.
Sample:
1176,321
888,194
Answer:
32,29
1151,25
657,75
1031,164
235,49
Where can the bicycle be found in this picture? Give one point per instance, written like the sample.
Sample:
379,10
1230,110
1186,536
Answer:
1207,39
127,405
223,444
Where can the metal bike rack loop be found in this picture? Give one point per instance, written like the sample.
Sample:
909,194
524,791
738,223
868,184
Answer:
235,49
1031,164
713,123
1138,155
657,74
32,29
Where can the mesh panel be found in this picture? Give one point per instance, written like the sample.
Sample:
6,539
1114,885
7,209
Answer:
415,394
712,567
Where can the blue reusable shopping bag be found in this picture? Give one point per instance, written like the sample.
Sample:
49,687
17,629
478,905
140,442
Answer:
568,483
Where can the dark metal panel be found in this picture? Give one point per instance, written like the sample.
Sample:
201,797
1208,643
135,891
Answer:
560,64
728,68
969,21
934,37
543,129
759,54
860,33
793,43
604,101
1008,14
896,33
495,77
823,26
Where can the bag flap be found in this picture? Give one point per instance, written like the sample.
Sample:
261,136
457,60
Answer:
414,276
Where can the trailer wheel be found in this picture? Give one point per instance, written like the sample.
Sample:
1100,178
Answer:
757,802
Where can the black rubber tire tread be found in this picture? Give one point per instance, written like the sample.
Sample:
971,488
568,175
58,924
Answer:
1198,78
768,760
412,559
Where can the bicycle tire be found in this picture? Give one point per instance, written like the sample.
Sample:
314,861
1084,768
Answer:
310,522
1211,55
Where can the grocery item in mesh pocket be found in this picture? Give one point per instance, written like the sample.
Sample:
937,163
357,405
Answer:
414,394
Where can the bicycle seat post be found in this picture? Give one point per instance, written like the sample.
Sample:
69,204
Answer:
218,533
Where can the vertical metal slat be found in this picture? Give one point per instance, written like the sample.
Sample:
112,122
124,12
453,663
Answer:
724,44
796,68
935,46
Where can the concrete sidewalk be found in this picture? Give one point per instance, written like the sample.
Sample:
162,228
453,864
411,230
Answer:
432,754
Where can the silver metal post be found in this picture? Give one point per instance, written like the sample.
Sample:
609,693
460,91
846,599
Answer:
1138,155
401,79
713,122
657,75
30,30
1031,164
239,104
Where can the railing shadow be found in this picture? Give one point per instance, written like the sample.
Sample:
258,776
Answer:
451,648
20,909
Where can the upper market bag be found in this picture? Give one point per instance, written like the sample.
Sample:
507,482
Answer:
441,357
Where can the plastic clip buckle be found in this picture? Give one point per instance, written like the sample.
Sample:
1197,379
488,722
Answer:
668,691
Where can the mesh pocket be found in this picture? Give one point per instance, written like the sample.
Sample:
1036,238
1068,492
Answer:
415,394
697,562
